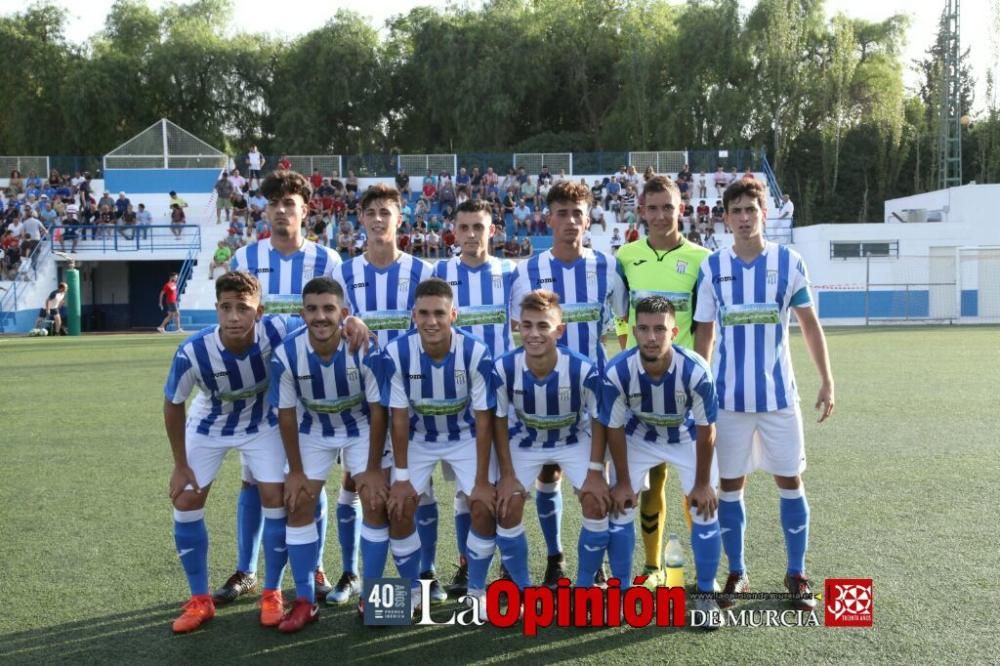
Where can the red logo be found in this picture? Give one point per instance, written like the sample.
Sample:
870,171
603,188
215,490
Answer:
848,602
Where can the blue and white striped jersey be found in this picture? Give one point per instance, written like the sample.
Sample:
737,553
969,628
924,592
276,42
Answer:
232,388
750,305
282,277
441,396
591,292
664,411
383,297
481,297
549,412
331,398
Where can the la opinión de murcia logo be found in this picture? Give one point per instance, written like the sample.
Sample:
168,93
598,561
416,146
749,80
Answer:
849,602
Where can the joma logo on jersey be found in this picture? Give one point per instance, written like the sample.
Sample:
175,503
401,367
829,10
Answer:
224,373
263,270
303,378
634,395
723,278
542,281
415,376
455,283
359,285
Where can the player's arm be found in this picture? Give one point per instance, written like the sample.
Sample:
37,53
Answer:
507,486
812,333
622,496
595,483
357,333
402,490
705,310
482,490
702,497
704,339
282,395
174,417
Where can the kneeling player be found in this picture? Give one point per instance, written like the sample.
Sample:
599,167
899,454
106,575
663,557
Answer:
326,395
229,363
441,398
659,405
545,395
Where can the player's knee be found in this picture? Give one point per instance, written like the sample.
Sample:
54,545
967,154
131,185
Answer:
480,513
788,482
732,484
550,474
271,495
348,483
514,514
591,507
373,512
189,501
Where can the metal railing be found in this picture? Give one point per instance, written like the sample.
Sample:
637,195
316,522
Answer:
112,238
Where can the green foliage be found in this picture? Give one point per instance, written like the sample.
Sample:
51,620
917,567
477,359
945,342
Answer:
824,99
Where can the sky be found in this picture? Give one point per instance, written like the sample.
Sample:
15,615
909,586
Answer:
977,18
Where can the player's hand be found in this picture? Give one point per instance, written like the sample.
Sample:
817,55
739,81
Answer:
508,487
180,479
400,494
622,498
295,485
824,402
373,488
486,494
595,484
358,335
703,499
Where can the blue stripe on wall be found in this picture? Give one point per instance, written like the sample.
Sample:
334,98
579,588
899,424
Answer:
152,181
896,304
970,303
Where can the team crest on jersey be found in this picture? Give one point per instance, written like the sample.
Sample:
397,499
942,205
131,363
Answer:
460,376
352,374
564,394
682,267
772,277
680,398
497,281
404,284
591,277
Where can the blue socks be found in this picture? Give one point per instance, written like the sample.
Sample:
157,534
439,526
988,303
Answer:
321,518
191,539
275,522
427,528
303,544
463,523
348,510
590,550
732,526
480,554
706,543
406,554
374,550
513,545
249,528
548,503
795,526
621,547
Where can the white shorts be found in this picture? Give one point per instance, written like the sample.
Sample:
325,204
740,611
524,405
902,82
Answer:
771,441
644,456
320,453
572,459
460,455
262,453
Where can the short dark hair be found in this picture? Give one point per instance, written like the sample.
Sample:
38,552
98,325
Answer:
237,282
541,300
282,182
323,285
567,191
474,206
434,287
659,184
750,187
654,305
381,191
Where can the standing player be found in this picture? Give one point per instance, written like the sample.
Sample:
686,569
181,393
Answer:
282,263
381,285
749,291
480,284
229,364
326,397
546,394
441,396
168,303
591,292
662,264
659,406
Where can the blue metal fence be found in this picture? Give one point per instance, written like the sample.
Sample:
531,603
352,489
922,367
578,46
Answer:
113,238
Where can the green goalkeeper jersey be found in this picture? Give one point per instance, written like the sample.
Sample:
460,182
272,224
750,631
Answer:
671,274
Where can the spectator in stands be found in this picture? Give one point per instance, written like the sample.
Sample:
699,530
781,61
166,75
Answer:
616,240
522,216
559,176
787,210
629,198
491,182
429,190
447,238
538,227
684,187
284,163
351,202
632,177
106,201
748,174
258,201
177,199
168,300
403,183
544,176
702,186
718,212
525,249
721,181
513,247
732,177
32,232
144,220
687,215
345,239
597,215
106,221
55,178
238,181
509,181
319,231
709,240
588,240
316,179
16,183
703,212
433,244
85,191
241,212
447,196
463,179
255,162
647,174
360,241
33,181
522,176
597,190
529,192
612,199
461,196
498,242
352,183
220,259
476,183
508,206
223,197
177,222
234,239
70,224
11,245
543,189
418,240
53,309
122,204
694,237
262,228
127,224
631,234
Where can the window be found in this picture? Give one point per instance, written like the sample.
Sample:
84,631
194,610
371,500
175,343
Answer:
862,249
